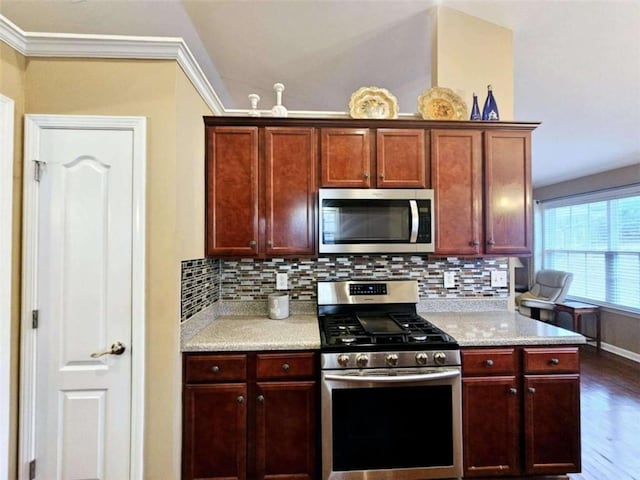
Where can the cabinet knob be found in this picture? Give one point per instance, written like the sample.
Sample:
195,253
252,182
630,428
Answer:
252,243
260,398
488,363
215,369
554,361
513,391
475,243
269,243
382,175
240,399
491,242
285,367
532,390
365,175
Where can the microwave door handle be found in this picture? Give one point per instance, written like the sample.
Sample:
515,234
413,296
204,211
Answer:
415,221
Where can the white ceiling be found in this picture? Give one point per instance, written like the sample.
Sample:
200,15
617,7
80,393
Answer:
576,62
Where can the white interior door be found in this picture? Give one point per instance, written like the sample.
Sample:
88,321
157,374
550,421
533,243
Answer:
86,223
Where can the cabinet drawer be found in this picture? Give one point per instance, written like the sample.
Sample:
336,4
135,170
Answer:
494,361
284,365
215,368
551,360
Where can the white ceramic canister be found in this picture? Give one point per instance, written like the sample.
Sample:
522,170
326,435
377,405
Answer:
278,305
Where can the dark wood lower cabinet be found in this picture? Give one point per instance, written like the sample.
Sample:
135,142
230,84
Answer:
213,413
491,426
521,411
249,416
285,430
552,423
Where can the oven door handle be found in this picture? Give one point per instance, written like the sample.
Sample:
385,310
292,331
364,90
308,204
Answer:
421,377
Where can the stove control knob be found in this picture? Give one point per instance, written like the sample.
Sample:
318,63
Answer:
362,360
343,360
392,359
422,358
440,358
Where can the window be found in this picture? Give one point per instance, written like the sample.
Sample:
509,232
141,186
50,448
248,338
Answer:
597,238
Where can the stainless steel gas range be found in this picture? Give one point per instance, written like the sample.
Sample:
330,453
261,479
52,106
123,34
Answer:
390,392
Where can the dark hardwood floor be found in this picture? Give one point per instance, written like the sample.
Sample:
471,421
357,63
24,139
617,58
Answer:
610,414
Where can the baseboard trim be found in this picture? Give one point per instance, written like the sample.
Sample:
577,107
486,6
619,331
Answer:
621,352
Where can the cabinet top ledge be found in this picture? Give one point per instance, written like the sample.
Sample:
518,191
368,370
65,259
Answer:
365,123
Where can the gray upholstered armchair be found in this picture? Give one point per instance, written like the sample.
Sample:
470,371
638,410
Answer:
550,287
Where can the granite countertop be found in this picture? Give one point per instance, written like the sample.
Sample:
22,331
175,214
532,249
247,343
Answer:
256,332
500,328
251,333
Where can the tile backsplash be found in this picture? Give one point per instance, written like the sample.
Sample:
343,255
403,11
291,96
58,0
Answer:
200,285
208,280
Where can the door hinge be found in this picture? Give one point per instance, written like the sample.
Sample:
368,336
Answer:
32,469
38,169
34,318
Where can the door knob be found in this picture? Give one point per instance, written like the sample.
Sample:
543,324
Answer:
117,348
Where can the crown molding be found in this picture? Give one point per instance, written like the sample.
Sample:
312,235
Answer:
70,45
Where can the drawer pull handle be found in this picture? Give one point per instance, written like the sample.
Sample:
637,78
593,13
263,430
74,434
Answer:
532,390
215,369
260,398
240,399
488,363
285,367
513,391
554,361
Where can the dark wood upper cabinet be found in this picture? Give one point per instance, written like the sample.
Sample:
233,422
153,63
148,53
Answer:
345,158
456,166
348,159
232,226
482,202
261,191
263,175
400,155
508,206
290,191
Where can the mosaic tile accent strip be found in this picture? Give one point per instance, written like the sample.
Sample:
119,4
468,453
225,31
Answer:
200,286
249,279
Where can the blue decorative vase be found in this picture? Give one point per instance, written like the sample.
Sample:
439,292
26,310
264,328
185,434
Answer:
490,110
475,110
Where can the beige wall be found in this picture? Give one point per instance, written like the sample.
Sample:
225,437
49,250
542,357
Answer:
12,85
159,91
470,54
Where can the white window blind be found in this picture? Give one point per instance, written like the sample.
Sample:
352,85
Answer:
597,238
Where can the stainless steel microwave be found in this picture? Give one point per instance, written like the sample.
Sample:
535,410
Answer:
375,220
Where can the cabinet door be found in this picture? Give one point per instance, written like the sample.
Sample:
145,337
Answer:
490,423
508,206
232,191
290,191
456,177
286,430
400,157
214,432
345,157
552,424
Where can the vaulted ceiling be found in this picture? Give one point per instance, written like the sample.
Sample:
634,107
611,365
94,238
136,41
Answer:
576,63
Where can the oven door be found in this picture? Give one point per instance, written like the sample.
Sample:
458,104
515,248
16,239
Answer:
391,423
